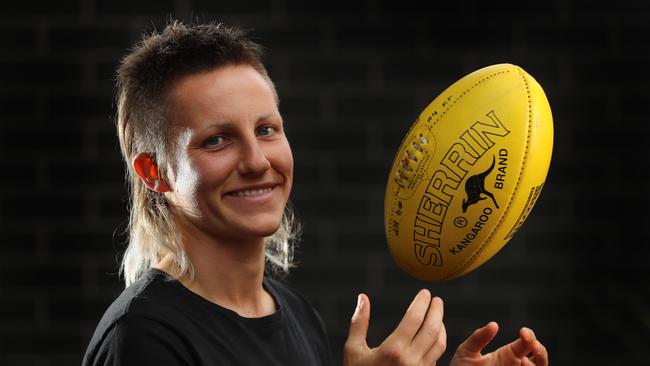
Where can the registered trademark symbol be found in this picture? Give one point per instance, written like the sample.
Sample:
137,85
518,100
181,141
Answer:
460,222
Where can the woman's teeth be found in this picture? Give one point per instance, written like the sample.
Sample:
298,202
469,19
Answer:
253,192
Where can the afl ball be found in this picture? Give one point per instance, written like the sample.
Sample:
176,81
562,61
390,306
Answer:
468,173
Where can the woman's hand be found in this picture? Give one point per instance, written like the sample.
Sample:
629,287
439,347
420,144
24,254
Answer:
419,339
513,354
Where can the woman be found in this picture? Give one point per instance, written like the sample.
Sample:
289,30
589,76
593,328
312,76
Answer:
210,172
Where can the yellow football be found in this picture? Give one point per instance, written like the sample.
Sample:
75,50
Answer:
468,173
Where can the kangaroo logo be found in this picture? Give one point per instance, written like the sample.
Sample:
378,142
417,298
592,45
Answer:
475,186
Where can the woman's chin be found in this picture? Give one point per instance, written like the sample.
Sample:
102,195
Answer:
269,231
258,229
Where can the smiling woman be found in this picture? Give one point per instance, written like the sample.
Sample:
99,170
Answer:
210,172
241,165
153,98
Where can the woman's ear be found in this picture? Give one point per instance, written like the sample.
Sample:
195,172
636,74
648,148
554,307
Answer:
146,168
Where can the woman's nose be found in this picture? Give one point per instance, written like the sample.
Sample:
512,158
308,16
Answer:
253,159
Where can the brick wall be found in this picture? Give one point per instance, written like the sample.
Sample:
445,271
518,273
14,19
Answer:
351,80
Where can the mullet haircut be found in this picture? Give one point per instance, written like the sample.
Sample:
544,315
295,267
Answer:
144,79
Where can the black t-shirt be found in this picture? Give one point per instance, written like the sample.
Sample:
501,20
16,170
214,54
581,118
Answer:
158,321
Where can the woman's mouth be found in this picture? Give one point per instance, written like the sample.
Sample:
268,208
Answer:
252,192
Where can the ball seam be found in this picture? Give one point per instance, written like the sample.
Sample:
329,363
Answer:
435,122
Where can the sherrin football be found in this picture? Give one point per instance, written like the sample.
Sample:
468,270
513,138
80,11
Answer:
468,173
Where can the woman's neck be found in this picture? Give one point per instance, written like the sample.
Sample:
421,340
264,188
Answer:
227,273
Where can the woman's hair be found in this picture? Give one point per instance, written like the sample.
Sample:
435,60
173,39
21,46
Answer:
144,78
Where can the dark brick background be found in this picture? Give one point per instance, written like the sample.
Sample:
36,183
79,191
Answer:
351,80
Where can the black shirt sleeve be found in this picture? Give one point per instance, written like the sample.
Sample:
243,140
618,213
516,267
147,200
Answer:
136,340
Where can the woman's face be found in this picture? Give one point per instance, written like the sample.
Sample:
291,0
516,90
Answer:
232,168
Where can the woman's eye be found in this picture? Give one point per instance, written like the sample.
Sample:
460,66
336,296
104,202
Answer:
266,131
214,141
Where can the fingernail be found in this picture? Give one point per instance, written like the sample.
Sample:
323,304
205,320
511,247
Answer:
359,306
489,324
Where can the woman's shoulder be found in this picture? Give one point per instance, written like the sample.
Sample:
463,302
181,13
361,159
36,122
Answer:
151,302
154,291
154,296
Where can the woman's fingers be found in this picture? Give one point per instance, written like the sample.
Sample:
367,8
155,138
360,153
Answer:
359,323
420,338
412,320
540,354
429,333
437,349
523,345
478,340
420,335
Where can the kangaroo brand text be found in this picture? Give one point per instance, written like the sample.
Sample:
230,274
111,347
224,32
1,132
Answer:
471,145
